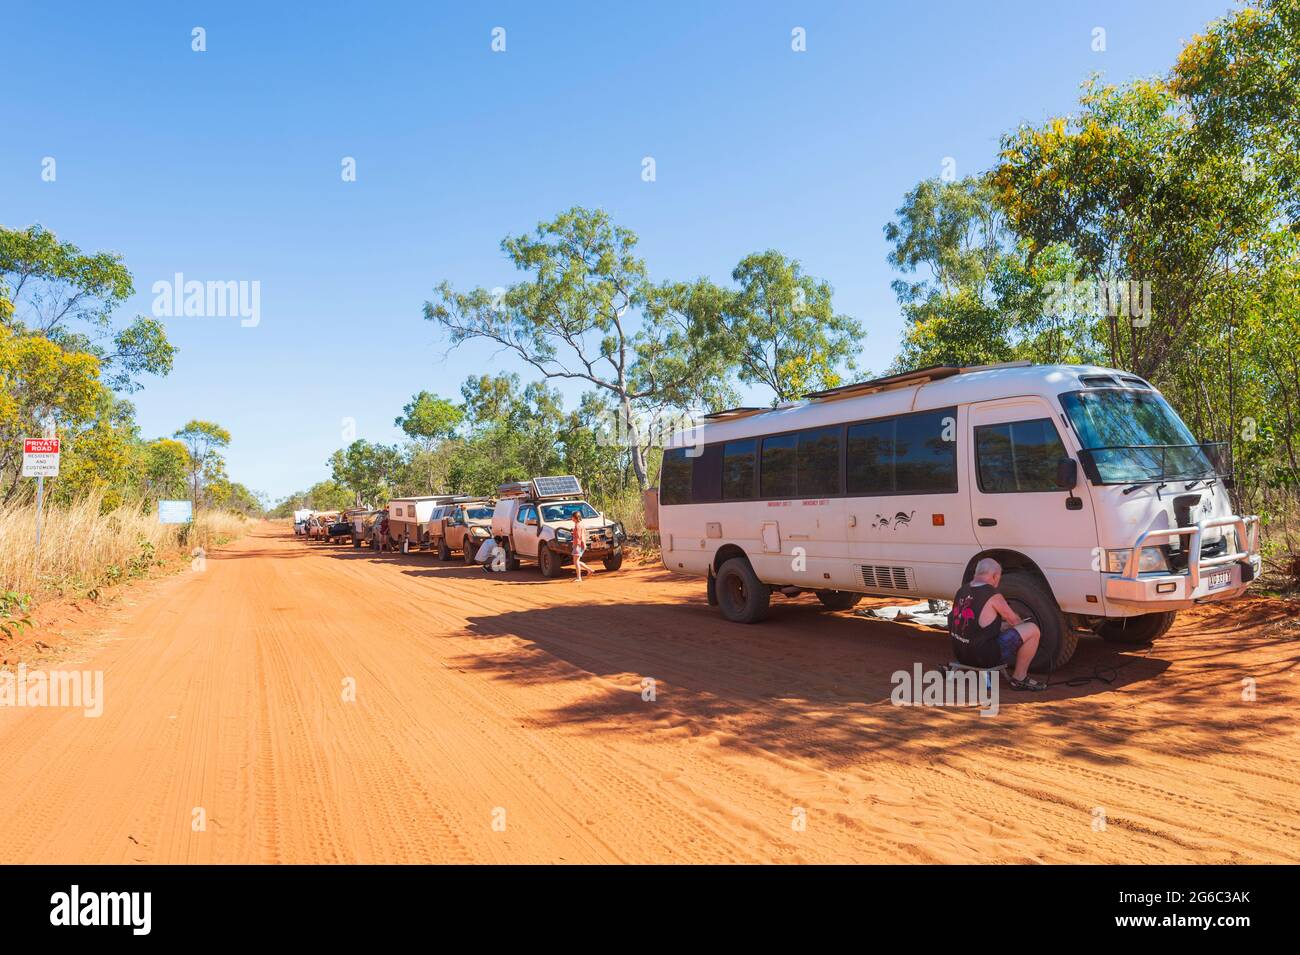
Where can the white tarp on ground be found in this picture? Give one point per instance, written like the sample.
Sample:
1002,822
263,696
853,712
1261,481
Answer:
912,613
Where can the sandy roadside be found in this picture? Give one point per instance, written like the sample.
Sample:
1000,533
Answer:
502,718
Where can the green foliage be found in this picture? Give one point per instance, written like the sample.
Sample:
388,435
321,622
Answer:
202,439
589,312
60,293
14,616
368,470
784,328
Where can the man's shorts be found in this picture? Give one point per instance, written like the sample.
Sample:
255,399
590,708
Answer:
1009,643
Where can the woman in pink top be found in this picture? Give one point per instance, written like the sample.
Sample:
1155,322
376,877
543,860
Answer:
579,546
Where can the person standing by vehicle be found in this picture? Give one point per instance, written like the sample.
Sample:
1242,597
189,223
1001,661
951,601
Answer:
579,546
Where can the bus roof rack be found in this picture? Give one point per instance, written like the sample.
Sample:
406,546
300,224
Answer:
918,377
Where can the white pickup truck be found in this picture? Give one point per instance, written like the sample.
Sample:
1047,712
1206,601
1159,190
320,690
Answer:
533,520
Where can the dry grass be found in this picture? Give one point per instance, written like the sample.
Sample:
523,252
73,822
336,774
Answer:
83,549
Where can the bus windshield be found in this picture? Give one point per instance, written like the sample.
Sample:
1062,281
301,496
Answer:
564,512
1134,436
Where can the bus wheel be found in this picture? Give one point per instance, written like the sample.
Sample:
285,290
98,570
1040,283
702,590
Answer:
741,595
1143,629
838,599
548,561
1030,597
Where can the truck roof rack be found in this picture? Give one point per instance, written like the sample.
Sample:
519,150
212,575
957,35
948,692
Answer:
542,488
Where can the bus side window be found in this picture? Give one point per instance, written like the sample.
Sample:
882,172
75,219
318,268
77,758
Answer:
777,474
739,469
675,477
706,475
1018,456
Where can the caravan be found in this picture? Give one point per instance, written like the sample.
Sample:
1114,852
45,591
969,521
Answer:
1105,513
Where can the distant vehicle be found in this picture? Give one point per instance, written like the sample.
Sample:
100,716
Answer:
318,526
533,520
300,528
340,528
408,519
377,530
1104,511
360,517
462,526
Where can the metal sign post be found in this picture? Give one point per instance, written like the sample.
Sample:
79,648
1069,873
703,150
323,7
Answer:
40,460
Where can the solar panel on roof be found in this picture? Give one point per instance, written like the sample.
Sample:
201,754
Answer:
559,485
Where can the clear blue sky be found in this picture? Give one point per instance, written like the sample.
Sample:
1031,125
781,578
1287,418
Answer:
225,165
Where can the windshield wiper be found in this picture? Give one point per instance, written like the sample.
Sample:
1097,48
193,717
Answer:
1133,487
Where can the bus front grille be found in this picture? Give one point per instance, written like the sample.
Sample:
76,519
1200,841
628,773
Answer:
877,577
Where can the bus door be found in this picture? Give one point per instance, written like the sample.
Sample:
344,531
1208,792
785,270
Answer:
1012,456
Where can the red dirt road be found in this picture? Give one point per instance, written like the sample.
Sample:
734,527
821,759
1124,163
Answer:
515,700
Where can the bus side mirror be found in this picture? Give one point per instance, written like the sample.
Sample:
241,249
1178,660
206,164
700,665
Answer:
1067,474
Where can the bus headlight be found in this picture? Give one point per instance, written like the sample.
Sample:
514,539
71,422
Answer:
1151,559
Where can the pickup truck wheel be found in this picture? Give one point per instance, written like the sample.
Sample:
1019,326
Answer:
469,546
444,552
512,559
838,599
1136,630
613,561
741,595
356,541
1030,597
548,561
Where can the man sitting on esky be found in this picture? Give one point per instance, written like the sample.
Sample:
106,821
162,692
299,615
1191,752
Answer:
986,632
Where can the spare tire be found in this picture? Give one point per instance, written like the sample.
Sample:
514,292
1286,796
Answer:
1029,596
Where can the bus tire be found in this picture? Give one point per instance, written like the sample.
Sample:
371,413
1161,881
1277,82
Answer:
614,561
444,552
742,597
1031,597
548,562
838,599
1136,630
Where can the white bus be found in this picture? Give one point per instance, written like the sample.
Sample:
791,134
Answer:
1081,481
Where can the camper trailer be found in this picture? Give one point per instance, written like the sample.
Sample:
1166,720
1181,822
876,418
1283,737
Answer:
408,520
1104,511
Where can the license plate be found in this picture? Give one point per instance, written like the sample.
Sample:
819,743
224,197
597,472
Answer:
1219,579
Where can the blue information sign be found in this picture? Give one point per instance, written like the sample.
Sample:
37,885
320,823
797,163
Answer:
175,512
